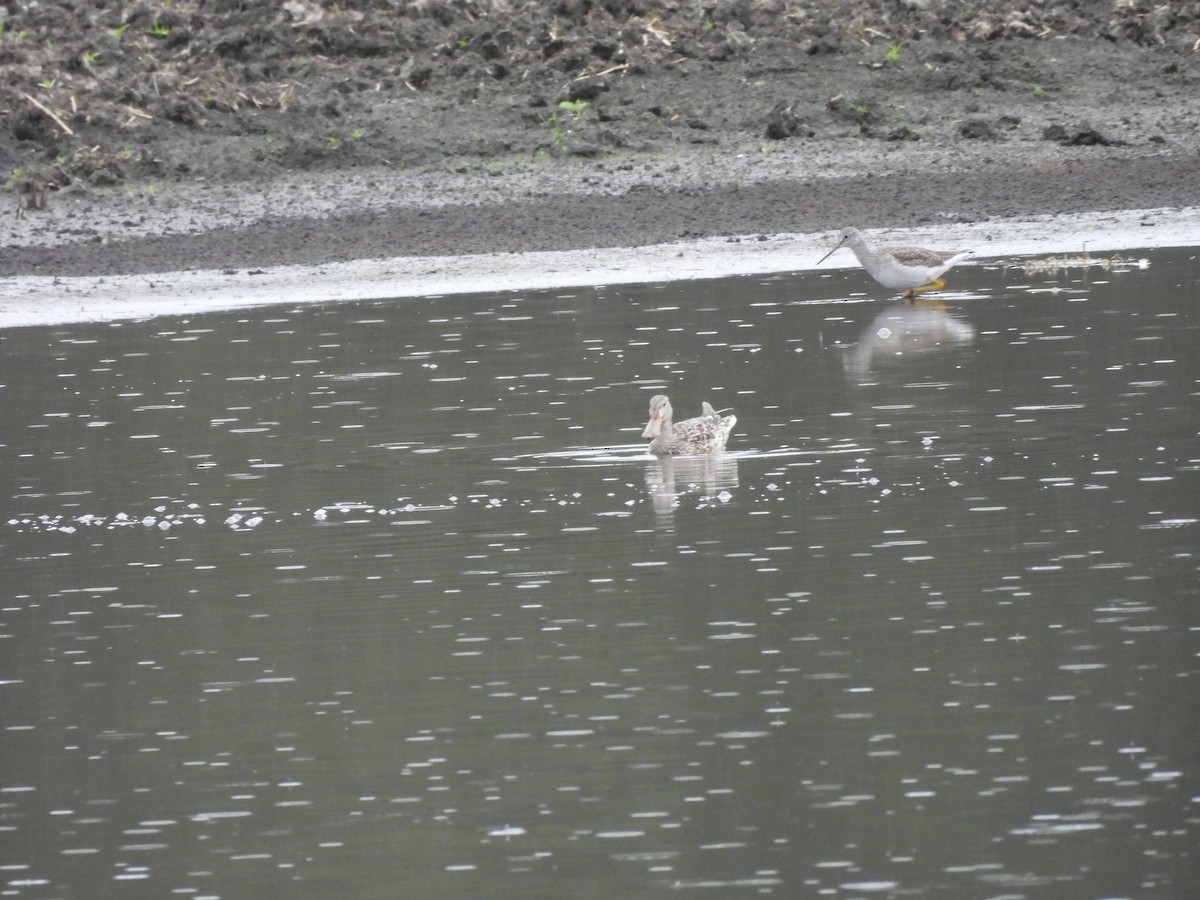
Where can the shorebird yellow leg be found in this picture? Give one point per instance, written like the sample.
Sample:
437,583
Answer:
936,285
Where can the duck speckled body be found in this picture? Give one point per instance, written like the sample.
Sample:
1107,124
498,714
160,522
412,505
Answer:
912,270
705,434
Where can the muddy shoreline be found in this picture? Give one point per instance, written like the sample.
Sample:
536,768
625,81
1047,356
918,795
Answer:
37,300
671,145
639,217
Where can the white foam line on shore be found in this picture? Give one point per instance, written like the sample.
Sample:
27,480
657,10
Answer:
46,300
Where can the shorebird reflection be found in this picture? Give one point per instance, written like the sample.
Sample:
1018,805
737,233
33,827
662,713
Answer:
905,329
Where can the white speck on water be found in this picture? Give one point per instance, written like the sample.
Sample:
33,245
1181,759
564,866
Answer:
507,831
869,886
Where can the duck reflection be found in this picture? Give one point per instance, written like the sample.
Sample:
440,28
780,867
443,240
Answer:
670,478
908,328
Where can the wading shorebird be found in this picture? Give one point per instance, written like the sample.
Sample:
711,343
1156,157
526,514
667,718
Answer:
705,434
913,270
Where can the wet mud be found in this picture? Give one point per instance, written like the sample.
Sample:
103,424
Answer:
173,136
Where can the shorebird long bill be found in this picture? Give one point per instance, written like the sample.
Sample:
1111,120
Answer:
835,249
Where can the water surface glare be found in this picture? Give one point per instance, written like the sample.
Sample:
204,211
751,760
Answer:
387,599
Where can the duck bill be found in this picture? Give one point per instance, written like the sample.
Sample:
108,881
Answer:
653,428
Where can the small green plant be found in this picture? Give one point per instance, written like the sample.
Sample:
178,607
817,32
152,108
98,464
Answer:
462,42
1038,90
159,30
574,107
90,57
357,134
59,158
47,83
560,121
119,30
893,53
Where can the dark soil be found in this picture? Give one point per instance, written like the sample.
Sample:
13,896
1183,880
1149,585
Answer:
190,134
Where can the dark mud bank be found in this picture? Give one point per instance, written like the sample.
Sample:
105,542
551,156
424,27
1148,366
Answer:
166,136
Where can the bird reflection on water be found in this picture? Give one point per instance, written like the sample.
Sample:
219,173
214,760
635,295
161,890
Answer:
709,478
905,329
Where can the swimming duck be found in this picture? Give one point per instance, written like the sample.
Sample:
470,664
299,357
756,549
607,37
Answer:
913,270
705,434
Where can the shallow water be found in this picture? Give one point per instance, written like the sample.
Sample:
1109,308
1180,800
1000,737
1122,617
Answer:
386,599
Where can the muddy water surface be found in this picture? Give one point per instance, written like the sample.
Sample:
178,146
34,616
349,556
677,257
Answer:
388,600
